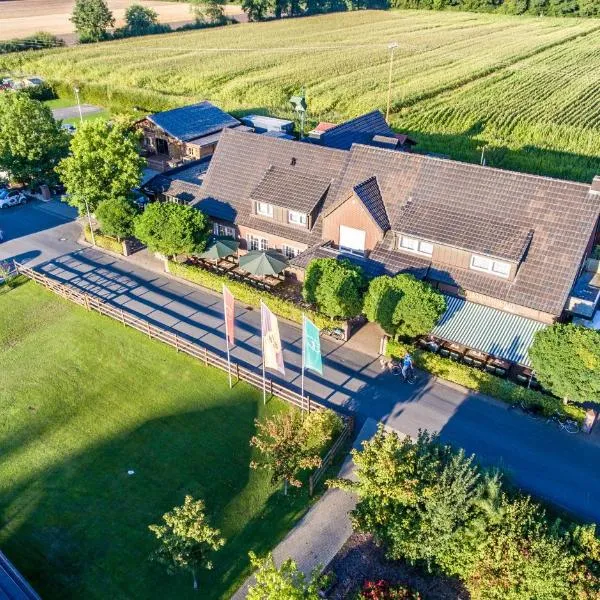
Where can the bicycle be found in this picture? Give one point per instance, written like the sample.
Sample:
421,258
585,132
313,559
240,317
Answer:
337,333
567,425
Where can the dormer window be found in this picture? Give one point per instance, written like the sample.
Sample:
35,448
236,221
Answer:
296,218
415,245
264,209
489,265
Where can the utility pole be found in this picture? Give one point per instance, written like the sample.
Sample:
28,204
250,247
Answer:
483,156
391,47
78,104
87,206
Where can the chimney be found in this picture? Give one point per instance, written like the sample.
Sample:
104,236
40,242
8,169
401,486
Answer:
595,189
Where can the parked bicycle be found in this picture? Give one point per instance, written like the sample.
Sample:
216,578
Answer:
336,333
567,425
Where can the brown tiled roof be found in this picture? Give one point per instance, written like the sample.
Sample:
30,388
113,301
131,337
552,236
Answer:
291,189
368,193
359,130
240,163
561,214
464,228
296,233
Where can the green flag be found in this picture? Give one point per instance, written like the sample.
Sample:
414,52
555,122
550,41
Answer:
312,347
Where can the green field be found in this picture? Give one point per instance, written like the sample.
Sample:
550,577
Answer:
528,88
83,400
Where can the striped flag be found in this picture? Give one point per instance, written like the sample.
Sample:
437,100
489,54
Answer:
272,349
229,313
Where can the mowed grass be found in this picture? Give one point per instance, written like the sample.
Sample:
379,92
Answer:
82,401
526,88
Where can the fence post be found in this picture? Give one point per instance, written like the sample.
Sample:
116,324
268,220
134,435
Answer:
205,355
87,301
271,386
308,398
148,329
237,371
311,486
122,317
176,343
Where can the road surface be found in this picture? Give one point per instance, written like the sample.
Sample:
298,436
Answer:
540,458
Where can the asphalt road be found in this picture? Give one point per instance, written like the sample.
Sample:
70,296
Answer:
72,112
540,458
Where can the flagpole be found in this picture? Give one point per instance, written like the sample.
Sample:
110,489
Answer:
303,353
262,341
227,336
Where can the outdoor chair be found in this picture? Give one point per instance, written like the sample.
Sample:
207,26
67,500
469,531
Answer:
468,360
444,352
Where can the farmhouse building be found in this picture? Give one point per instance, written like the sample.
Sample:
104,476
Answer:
506,248
183,134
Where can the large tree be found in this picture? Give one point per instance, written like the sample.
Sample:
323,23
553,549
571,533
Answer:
403,305
116,217
173,229
104,164
284,583
211,11
31,142
257,10
92,19
335,286
566,359
186,539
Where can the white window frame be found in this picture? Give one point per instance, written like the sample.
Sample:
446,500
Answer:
289,251
264,209
498,268
223,230
415,245
254,242
296,218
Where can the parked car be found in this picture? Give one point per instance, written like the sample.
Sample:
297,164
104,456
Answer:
12,198
140,199
69,128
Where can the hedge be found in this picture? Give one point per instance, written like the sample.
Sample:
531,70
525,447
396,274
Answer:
249,295
486,383
103,241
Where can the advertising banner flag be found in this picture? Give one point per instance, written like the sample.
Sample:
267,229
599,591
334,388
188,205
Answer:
272,349
312,347
229,312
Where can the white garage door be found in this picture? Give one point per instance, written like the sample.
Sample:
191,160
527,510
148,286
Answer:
351,239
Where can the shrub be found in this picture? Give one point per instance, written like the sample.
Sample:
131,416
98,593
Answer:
37,41
403,305
335,286
383,590
249,295
486,383
116,217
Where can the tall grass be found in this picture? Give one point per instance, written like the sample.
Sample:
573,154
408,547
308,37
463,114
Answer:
527,88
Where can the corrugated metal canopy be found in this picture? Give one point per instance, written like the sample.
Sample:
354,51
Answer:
487,329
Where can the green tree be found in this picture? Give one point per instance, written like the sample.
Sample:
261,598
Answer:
566,359
403,305
104,163
257,10
140,20
116,217
212,11
31,141
286,582
186,539
283,442
92,18
335,286
172,229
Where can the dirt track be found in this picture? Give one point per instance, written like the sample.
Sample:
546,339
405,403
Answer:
20,18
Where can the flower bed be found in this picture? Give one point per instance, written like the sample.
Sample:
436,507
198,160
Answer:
486,383
103,241
249,295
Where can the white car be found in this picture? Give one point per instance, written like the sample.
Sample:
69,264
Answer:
12,198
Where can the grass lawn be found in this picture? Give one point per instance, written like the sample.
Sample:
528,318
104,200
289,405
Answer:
82,400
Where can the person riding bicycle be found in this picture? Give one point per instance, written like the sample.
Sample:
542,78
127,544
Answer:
407,366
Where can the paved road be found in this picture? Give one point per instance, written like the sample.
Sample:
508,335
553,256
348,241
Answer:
72,112
540,458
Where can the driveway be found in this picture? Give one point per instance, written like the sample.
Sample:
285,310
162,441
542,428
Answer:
540,458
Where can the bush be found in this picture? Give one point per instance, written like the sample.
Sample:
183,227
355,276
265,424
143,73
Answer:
36,41
486,383
116,217
249,295
103,241
383,590
336,287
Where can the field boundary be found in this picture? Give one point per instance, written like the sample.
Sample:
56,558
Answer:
193,349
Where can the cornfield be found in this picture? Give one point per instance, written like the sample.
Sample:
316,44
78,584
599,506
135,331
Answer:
525,91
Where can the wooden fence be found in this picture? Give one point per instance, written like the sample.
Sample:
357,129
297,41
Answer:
317,475
202,353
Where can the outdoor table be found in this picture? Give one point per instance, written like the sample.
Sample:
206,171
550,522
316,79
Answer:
475,358
497,366
455,350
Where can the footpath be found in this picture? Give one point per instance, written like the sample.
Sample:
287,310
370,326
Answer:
321,533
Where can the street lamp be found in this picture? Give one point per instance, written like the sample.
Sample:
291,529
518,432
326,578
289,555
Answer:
391,47
78,104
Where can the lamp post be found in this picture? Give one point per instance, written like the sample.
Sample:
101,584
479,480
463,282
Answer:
391,47
76,89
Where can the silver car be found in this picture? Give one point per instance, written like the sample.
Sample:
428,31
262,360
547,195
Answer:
12,198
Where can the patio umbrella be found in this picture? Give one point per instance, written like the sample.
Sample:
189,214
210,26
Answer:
263,262
220,248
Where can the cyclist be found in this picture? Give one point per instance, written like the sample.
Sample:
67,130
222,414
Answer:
407,367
